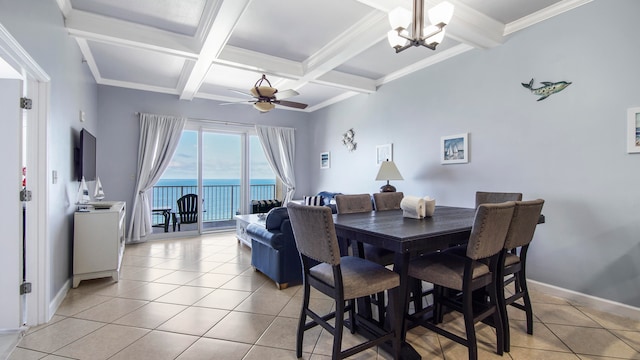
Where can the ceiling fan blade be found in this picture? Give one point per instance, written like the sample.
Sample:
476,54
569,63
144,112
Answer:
237,102
241,92
284,94
292,104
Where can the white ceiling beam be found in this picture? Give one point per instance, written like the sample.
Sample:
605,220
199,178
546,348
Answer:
221,28
255,61
544,14
65,7
472,27
88,57
347,82
119,32
358,38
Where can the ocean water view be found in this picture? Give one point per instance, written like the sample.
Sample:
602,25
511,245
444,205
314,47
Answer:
220,197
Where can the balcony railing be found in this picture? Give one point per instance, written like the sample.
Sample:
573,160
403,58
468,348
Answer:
220,202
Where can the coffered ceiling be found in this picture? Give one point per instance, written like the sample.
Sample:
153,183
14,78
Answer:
326,50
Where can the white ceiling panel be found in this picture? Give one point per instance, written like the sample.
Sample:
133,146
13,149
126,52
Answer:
182,16
294,29
326,50
137,65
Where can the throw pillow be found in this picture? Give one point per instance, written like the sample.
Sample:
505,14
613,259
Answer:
313,200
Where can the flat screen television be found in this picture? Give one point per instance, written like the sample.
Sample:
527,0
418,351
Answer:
86,156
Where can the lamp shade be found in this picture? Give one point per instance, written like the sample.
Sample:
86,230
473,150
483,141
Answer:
400,18
441,13
396,40
388,171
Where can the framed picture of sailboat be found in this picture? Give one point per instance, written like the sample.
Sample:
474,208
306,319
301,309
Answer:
633,130
454,149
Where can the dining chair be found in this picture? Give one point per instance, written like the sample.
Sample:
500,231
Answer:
344,278
187,211
353,203
387,200
349,204
359,203
478,269
523,225
486,197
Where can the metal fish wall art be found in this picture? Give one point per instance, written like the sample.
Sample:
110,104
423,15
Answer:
547,89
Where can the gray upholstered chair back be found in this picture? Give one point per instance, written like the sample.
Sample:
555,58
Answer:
348,204
387,200
490,229
484,197
523,224
314,232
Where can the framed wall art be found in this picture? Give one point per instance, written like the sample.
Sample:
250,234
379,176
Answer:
384,153
633,130
325,160
454,149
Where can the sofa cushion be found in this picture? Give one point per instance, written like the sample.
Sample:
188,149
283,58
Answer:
275,217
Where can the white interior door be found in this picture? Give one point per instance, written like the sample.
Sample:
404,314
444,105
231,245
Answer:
23,145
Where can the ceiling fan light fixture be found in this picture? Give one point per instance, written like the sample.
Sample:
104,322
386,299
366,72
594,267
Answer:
263,106
263,91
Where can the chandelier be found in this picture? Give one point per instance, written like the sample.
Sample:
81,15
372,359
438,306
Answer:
421,34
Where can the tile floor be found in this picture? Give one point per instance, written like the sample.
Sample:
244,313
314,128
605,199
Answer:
199,298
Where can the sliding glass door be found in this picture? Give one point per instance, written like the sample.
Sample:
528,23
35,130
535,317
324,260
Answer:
226,169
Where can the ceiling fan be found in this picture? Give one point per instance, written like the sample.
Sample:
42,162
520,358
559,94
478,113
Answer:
265,98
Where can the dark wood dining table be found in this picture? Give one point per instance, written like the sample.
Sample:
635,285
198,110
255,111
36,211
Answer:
406,237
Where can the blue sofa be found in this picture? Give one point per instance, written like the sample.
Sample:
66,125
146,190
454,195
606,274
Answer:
273,248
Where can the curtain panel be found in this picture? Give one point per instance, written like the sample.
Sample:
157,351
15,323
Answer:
159,137
279,147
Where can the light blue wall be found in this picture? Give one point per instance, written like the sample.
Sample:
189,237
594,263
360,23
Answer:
119,130
569,149
39,28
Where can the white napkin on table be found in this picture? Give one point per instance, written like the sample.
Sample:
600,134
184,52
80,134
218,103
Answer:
417,207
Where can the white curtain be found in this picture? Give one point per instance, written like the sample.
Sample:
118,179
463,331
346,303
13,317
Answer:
159,137
279,147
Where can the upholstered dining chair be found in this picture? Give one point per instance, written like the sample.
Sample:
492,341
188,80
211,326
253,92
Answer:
478,269
353,203
486,197
358,203
187,211
344,278
387,200
523,225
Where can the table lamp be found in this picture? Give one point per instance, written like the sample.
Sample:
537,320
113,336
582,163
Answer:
388,171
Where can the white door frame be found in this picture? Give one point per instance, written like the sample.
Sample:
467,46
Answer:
36,85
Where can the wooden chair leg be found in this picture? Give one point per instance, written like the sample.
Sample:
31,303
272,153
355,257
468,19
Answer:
469,325
303,320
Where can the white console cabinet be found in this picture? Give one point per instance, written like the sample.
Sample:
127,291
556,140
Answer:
98,242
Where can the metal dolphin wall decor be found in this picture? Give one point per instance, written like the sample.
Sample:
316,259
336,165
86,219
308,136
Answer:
548,88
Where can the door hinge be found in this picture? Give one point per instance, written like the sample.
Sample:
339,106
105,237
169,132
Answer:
25,195
25,103
25,288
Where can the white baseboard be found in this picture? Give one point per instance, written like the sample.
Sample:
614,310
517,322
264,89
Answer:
589,301
58,299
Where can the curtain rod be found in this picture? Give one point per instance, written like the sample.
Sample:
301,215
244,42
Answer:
221,122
